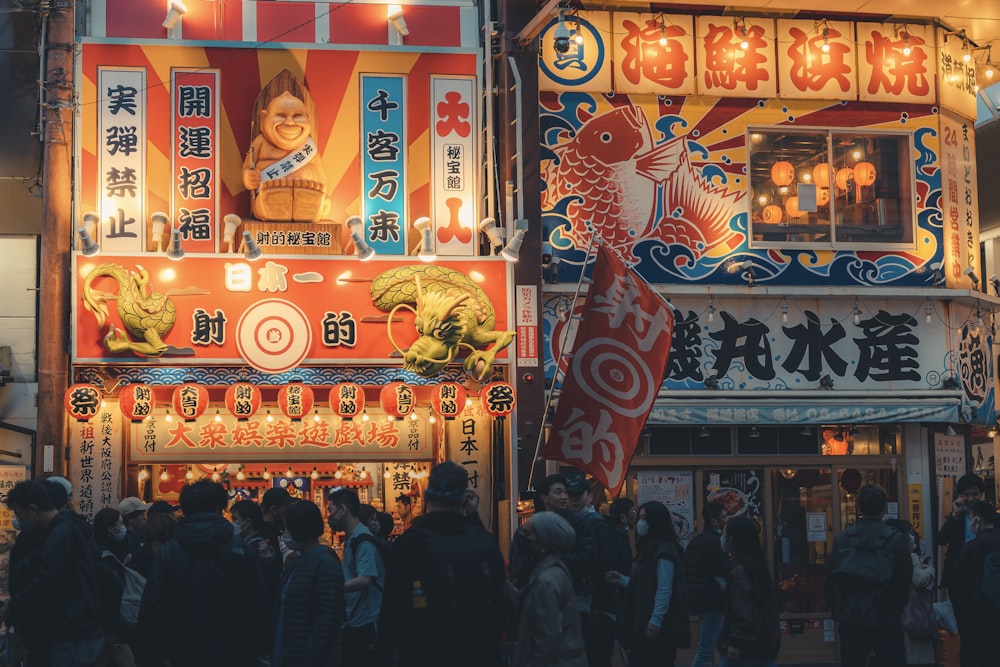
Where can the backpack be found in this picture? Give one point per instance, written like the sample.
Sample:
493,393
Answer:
991,579
381,548
860,576
461,581
135,584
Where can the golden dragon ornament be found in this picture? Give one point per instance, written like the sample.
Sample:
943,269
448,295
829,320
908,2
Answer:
451,313
146,314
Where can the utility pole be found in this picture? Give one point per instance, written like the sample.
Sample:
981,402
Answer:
57,231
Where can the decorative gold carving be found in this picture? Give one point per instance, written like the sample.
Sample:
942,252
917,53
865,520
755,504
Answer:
147,315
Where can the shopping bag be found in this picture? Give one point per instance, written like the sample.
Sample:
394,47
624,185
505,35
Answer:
918,615
944,614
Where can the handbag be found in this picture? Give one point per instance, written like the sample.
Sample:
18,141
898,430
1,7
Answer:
944,614
918,615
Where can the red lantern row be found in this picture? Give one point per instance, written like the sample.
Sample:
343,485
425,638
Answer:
296,400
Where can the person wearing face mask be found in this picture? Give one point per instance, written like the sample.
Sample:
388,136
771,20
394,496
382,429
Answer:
203,588
976,588
109,534
706,566
655,617
310,621
364,577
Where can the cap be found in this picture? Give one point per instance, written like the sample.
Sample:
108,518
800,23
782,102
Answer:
578,485
404,498
132,504
162,506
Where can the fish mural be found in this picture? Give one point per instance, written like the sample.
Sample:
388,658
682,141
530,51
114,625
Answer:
627,189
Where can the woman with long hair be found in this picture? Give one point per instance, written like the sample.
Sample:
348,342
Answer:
654,622
750,635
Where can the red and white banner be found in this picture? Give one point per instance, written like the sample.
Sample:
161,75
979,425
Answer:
615,372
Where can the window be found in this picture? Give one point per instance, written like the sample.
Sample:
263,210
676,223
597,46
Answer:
830,188
685,441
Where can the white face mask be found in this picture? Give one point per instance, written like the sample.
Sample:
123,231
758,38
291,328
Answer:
118,533
291,543
237,530
641,528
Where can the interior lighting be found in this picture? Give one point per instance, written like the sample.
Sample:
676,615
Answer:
251,251
357,227
176,250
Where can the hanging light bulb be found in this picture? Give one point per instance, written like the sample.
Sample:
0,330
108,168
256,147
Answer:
784,309
857,312
316,415
189,475
314,474
265,475
270,417
364,474
928,311
390,418
663,32
164,476
218,416
387,474
215,475
168,417
432,419
906,44
577,35
365,417
413,416
711,309
143,474
289,473
240,475
826,39
338,475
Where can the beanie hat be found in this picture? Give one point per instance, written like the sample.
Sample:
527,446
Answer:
554,532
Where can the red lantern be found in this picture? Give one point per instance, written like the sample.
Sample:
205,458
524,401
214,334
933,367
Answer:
190,400
864,173
498,398
448,399
82,401
347,400
295,400
821,175
243,400
843,178
772,214
792,207
782,173
397,399
136,401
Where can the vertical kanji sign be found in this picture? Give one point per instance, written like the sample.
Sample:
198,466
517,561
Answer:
895,63
960,199
736,57
96,459
194,157
468,444
383,162
121,161
654,53
956,76
454,164
817,60
617,366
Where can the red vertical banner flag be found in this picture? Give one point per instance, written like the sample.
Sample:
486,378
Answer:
615,371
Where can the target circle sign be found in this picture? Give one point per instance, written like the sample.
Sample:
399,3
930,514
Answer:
616,376
273,335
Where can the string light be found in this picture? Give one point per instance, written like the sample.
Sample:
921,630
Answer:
265,475
928,311
215,474
218,417
143,474
784,309
432,419
663,32
387,474
164,475
857,311
289,473
316,415
413,416
189,475
314,474
906,43
577,35
826,38
270,417
711,309
168,417
240,475
365,417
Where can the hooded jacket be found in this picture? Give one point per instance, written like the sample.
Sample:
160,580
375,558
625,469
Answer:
202,593
59,596
549,632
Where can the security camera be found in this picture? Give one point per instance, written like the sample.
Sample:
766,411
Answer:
560,37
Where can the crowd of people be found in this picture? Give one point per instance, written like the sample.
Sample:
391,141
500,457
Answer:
138,586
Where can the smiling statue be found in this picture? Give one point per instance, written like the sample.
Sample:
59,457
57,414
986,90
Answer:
283,169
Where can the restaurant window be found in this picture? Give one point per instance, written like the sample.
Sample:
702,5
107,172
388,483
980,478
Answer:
761,440
874,440
803,536
687,441
830,188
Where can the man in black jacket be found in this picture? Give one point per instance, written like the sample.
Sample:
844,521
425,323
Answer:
58,599
203,588
706,566
870,577
444,583
957,530
975,612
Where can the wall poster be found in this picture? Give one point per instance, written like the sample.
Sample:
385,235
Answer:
739,491
673,489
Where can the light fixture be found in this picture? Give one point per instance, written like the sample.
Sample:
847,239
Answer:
288,473
855,432
394,14
806,432
270,417
577,35
338,475
387,474
175,10
928,311
826,38
251,251
232,221
937,267
176,250
747,267
314,474
266,475
489,227
857,311
788,473
164,475
364,416
428,248
971,272
413,416
703,432
189,475
240,475
167,417
754,433
663,32
711,309
215,474
357,227
159,221
88,247
143,474
512,250
560,36
966,51
950,431
432,419
316,415
218,416
784,309
992,433
826,382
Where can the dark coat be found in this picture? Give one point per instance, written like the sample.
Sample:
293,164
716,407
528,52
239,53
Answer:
951,536
967,581
704,562
312,611
59,595
751,617
548,633
458,637
640,597
202,593
581,560
887,601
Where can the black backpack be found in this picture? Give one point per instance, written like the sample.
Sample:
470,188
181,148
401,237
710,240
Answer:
461,583
381,546
860,576
991,580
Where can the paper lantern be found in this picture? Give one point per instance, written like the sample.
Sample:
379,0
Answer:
782,173
295,400
864,173
136,401
792,207
821,175
822,196
347,400
843,178
397,399
82,401
448,399
243,400
190,401
498,399
771,214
